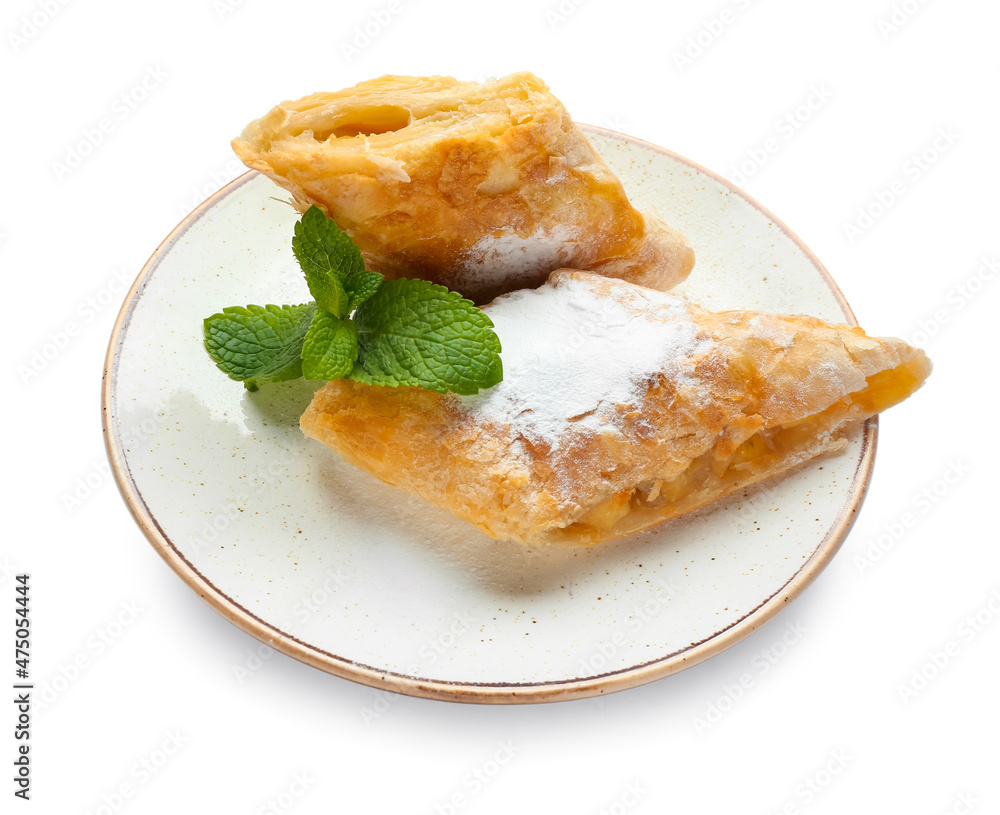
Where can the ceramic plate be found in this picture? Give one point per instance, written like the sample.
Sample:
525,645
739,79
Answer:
333,567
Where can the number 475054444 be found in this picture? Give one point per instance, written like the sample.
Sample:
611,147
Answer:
22,628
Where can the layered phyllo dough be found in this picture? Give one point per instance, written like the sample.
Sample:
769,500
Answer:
621,407
483,187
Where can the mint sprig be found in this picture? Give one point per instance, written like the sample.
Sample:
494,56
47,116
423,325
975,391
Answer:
403,332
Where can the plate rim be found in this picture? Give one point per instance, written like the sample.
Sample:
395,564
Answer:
453,691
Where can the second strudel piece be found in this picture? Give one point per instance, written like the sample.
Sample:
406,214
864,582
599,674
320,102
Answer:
621,407
483,187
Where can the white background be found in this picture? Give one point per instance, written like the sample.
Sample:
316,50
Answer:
832,725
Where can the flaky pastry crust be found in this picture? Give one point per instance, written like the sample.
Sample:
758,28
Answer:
485,188
760,394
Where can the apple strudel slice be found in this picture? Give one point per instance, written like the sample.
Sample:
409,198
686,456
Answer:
621,407
485,188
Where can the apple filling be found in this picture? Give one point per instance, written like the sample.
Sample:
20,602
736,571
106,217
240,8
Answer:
708,477
367,120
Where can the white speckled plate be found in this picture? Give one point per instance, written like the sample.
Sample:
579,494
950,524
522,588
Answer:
329,565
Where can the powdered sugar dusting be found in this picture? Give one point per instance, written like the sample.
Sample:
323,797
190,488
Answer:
571,355
502,262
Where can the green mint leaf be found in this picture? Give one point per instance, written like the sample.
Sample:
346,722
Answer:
332,296
329,259
362,285
413,332
331,347
259,343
